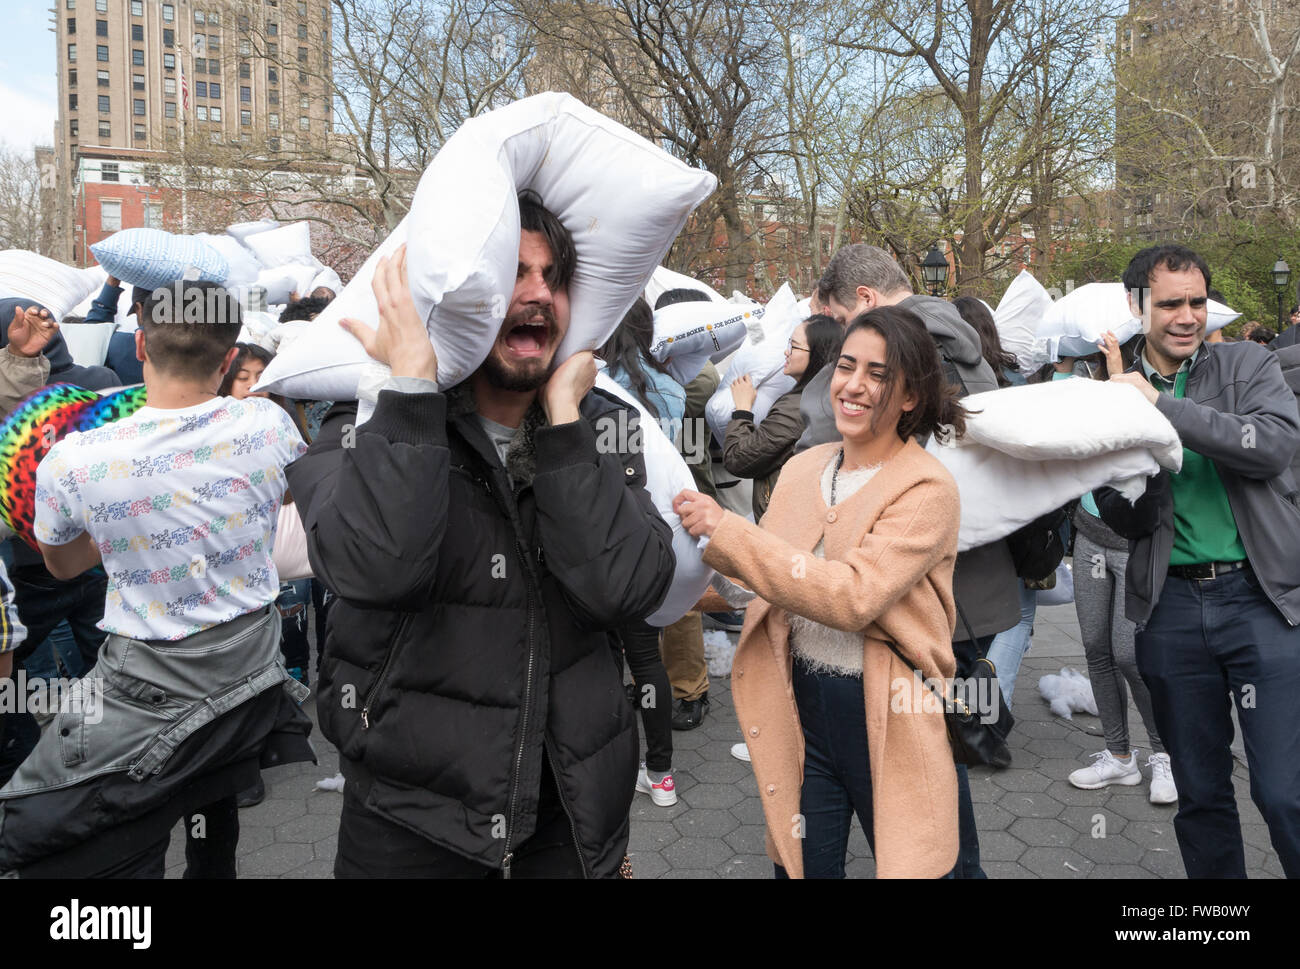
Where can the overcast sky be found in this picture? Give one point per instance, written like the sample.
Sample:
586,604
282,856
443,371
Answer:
28,85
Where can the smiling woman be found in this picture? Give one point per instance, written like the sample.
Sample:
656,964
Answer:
855,553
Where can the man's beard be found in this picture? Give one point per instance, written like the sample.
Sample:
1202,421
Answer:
525,376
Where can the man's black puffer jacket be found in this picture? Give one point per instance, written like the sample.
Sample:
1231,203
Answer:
469,637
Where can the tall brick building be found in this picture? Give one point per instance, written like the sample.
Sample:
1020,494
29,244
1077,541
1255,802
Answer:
249,73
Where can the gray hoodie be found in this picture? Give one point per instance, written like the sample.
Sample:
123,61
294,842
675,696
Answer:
984,578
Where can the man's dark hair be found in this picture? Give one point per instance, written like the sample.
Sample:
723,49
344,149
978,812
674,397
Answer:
1214,294
535,217
189,327
911,363
682,294
1174,258
306,308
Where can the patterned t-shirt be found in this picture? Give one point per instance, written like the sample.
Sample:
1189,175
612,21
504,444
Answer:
183,506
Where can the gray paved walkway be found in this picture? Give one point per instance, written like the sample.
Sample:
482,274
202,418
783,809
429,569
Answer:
1032,823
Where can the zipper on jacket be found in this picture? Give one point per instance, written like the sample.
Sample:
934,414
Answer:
383,671
523,724
564,803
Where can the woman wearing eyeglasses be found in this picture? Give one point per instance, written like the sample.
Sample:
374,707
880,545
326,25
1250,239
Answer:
758,450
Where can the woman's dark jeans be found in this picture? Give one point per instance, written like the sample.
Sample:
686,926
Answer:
654,693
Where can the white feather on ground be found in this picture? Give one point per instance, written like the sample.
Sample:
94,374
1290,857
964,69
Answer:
334,783
1068,693
719,651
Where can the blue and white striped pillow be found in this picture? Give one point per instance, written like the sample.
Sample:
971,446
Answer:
150,258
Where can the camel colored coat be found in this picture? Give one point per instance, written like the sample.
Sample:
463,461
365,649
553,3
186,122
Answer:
890,549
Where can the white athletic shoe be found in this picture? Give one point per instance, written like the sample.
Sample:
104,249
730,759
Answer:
740,752
1163,790
663,794
1107,769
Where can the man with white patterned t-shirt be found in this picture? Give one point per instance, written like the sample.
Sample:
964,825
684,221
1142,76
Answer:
179,501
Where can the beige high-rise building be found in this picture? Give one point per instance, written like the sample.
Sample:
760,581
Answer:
255,73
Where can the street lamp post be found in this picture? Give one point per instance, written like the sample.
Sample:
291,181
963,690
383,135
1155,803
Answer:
934,270
1282,282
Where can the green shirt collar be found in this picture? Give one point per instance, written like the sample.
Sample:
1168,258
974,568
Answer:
1159,379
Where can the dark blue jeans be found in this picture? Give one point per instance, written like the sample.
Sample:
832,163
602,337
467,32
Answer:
1209,642
837,769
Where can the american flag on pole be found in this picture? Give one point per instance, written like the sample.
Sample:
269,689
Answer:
185,88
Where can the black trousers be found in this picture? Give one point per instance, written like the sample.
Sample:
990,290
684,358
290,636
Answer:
371,846
654,693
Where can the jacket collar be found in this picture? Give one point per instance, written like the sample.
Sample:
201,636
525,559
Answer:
521,458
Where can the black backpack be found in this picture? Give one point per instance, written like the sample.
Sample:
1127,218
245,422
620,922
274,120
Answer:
1038,548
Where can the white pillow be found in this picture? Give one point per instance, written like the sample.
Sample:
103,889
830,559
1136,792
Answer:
150,258
1019,315
282,281
1074,324
664,279
287,244
242,230
688,335
243,265
57,287
666,476
87,342
762,356
328,278
464,232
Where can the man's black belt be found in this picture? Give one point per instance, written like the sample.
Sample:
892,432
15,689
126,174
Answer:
1207,570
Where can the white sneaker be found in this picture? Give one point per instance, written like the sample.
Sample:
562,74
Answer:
1163,790
740,752
1107,769
663,794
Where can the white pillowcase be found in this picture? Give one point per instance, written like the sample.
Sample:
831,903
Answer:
1018,317
287,244
762,357
240,231
664,279
87,342
666,476
150,258
243,266
281,282
57,287
688,335
623,199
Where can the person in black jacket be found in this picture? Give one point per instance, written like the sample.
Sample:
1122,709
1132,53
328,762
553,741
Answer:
481,545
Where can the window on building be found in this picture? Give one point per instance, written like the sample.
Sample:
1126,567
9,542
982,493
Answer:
245,48
137,57
200,44
243,24
169,13
153,212
200,65
101,6
169,37
302,77
273,143
201,112
72,102
101,28
198,18
302,55
72,25
244,70
72,4
245,93
214,18
137,107
105,130
214,113
169,109
72,77
200,89
272,29
72,52
152,173
302,31
273,120
137,32
137,8
101,78
169,85
101,52
302,8
103,104
245,117
214,42
108,172
72,128
214,65
273,97
272,76
169,61
304,123
139,132
214,89
137,82
272,50
304,102
214,137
